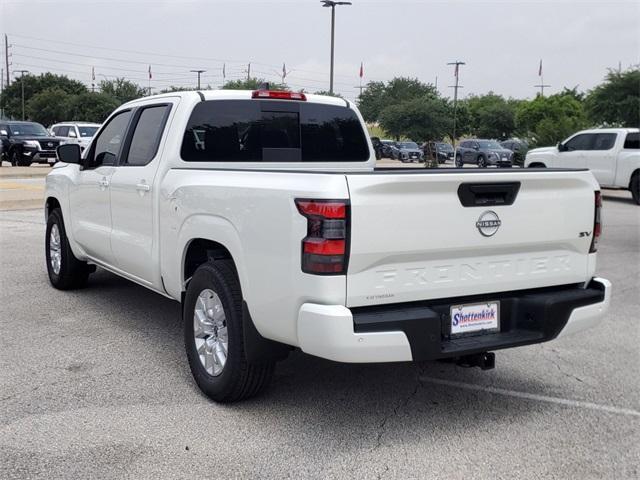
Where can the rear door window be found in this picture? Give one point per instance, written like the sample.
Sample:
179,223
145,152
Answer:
632,142
604,141
273,131
147,134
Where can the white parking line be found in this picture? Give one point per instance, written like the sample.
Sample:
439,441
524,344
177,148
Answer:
532,396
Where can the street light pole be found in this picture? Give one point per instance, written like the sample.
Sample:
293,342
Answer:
22,72
455,97
199,72
332,4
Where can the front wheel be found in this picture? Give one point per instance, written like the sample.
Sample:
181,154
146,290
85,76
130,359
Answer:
65,271
482,162
213,336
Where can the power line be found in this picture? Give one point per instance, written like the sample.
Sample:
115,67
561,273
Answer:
138,52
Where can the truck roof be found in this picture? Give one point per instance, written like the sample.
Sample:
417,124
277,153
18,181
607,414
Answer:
241,95
610,130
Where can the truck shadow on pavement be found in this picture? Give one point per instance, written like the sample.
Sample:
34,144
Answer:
307,393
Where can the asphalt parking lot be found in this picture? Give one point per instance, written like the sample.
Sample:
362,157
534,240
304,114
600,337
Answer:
95,384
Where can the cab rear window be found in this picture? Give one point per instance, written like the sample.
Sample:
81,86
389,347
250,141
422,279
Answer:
273,131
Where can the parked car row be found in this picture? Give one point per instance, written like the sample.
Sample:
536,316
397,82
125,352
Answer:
24,143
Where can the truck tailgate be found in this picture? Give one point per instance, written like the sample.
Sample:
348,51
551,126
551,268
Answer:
412,238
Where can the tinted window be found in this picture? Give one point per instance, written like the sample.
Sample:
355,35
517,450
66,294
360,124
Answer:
87,131
147,134
272,131
107,145
580,142
27,129
604,141
61,131
632,141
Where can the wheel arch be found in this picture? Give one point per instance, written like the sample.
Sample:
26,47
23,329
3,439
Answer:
50,204
537,165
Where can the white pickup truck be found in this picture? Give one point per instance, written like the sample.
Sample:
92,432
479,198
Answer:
263,213
612,155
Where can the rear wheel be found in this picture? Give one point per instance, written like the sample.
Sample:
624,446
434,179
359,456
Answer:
65,271
635,188
213,335
482,162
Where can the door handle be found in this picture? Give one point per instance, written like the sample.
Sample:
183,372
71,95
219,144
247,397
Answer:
104,183
143,187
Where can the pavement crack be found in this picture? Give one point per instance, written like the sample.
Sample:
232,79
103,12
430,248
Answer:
394,413
560,368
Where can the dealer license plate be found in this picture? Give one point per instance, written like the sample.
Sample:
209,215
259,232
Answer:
475,317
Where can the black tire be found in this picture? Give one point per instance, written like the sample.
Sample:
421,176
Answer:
482,162
459,163
634,186
238,379
14,158
72,272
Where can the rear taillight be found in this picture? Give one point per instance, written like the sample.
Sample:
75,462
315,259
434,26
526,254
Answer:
325,249
597,223
279,95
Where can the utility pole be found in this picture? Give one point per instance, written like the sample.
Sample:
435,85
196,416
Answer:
6,59
332,4
248,71
22,72
542,86
455,87
199,72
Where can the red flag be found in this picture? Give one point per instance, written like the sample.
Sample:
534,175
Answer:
361,70
540,69
455,72
150,75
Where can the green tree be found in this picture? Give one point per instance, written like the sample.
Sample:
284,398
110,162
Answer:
329,94
121,89
91,107
49,106
377,96
11,99
548,120
490,116
426,118
252,84
616,102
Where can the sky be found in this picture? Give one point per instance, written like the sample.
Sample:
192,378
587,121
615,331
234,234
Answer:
501,42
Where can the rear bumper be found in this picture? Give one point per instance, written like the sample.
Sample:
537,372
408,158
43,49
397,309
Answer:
420,330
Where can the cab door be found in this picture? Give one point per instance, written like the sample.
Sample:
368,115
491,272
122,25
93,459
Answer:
601,158
89,197
134,195
572,154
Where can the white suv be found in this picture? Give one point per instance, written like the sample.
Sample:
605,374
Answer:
75,132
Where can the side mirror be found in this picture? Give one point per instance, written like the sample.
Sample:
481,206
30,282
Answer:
476,147
69,153
562,147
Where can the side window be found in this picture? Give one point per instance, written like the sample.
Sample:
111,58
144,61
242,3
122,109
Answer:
62,131
632,142
604,141
147,134
580,142
107,146
55,130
